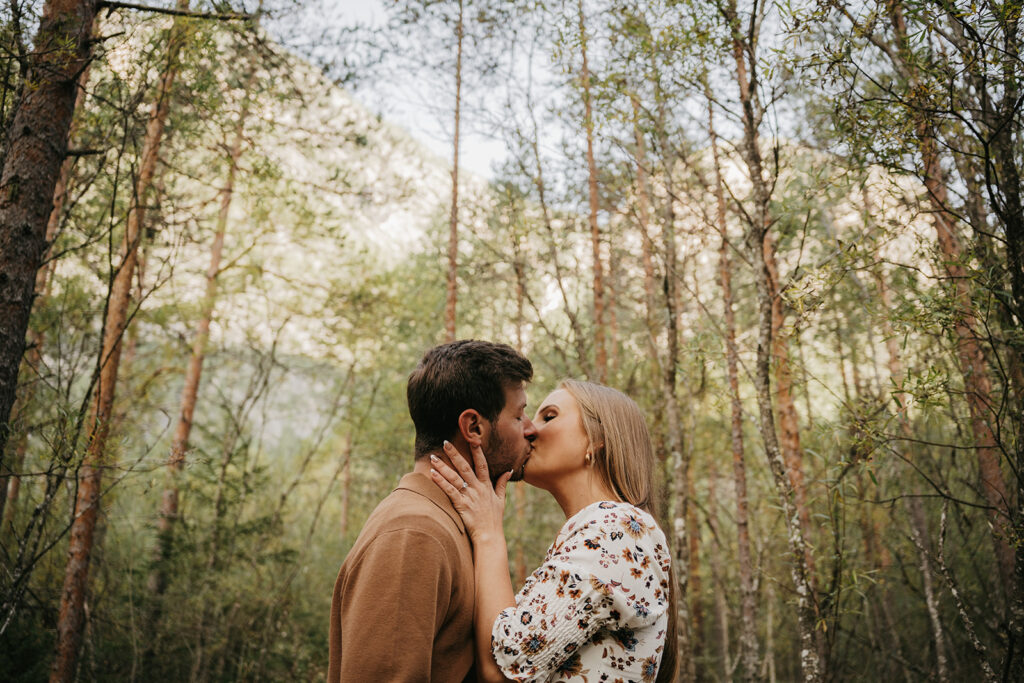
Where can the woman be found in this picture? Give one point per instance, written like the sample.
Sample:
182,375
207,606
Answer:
602,601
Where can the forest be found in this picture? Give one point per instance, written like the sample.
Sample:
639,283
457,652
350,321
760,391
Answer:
792,232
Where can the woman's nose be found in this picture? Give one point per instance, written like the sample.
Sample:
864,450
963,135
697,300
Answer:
529,430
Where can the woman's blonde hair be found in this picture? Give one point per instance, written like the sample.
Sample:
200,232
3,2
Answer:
620,442
624,458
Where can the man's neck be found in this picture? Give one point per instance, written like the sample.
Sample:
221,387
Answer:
423,465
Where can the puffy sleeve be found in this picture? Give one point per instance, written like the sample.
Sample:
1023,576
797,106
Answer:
610,574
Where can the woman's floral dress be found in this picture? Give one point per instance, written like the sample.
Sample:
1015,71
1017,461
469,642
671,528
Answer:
597,609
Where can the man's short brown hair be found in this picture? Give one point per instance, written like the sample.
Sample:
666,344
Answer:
461,375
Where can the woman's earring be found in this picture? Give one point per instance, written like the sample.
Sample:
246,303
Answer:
589,459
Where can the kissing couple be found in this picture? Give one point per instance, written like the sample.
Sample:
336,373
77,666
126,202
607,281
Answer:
425,594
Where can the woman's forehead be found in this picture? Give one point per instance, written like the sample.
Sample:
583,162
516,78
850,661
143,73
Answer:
559,398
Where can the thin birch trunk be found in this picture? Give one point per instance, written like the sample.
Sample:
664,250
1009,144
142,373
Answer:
600,350
919,534
346,488
157,581
789,423
453,220
757,246
748,598
611,307
719,577
918,523
970,355
520,492
72,616
644,218
768,664
695,589
678,503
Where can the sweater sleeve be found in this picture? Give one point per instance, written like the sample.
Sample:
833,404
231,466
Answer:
609,576
387,623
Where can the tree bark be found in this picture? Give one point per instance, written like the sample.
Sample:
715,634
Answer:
719,576
695,589
36,148
756,237
520,492
600,351
970,355
10,488
72,616
748,599
644,218
346,490
915,510
677,457
157,581
789,423
973,368
919,534
453,219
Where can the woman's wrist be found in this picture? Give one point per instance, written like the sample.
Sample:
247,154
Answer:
490,540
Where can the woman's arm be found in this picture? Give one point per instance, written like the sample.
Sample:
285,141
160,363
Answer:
493,594
482,510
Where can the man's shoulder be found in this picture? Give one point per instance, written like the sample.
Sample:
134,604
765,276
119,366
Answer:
407,509
407,517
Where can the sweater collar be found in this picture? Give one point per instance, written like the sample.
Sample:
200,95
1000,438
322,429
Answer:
421,484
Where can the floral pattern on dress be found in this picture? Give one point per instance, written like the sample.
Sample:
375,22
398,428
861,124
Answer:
597,608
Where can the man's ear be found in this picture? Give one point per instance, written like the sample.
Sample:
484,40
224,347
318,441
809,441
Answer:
472,427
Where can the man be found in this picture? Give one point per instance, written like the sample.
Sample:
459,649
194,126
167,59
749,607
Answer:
403,602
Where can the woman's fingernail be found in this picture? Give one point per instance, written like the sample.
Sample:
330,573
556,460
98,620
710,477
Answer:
433,457
447,443
433,472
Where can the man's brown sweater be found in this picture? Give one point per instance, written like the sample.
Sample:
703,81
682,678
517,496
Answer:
403,601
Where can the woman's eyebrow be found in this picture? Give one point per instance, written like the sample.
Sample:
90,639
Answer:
545,407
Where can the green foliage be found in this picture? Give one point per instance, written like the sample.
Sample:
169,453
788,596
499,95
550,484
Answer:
333,284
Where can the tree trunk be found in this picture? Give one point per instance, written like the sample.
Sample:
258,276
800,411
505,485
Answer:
453,219
346,489
695,589
915,510
71,620
37,337
789,424
36,148
977,385
919,534
719,576
600,352
611,307
806,612
970,355
644,218
748,599
768,666
677,457
756,238
157,581
520,492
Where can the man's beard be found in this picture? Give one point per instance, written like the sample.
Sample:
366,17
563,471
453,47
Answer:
500,460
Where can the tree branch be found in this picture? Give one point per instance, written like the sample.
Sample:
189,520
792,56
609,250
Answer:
219,16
